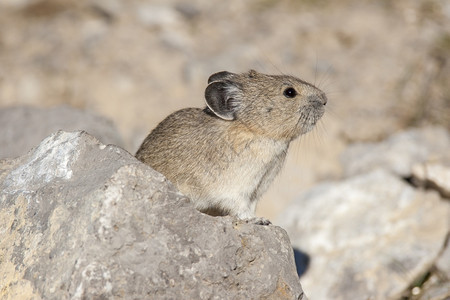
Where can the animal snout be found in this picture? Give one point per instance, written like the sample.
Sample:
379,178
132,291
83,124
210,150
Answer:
318,98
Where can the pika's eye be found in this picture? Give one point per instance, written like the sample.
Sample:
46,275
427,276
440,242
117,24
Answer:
290,92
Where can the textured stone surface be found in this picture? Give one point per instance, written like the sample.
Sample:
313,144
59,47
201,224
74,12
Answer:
443,262
435,175
440,291
23,127
80,220
369,236
399,153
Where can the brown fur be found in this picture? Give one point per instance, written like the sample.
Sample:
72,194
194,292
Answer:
225,156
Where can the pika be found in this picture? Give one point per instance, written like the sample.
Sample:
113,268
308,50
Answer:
225,156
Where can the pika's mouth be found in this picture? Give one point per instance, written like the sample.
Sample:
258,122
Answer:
309,115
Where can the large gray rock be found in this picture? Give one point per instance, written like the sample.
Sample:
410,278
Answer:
399,153
23,127
81,220
369,237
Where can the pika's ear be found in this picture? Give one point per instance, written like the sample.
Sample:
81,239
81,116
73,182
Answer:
223,98
224,75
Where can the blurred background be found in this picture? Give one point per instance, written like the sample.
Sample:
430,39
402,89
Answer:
383,64
117,68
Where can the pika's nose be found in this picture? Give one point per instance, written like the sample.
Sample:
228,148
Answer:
323,98
319,97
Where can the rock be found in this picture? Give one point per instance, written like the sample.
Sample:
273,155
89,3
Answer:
157,15
369,236
443,262
188,10
433,174
435,287
109,9
436,292
24,127
82,220
398,153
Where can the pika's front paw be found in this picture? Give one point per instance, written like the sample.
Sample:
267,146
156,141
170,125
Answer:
258,221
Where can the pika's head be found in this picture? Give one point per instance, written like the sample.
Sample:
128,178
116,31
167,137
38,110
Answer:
276,106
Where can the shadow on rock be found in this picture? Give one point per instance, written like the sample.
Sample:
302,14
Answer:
302,260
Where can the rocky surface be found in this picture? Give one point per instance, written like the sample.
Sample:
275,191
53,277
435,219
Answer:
434,175
372,235
399,153
378,234
81,220
383,64
23,127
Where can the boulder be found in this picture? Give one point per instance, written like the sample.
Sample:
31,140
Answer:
369,237
24,127
81,220
399,153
